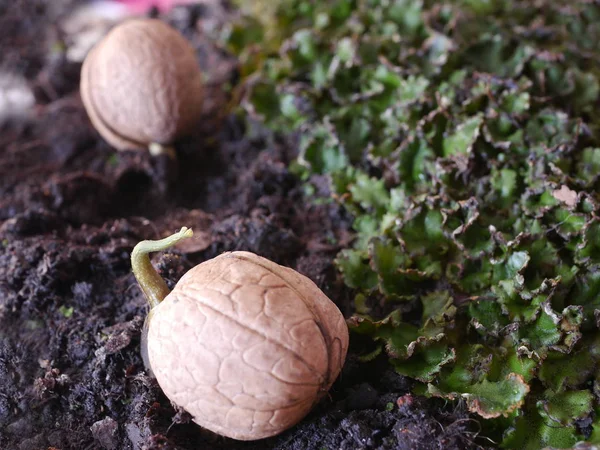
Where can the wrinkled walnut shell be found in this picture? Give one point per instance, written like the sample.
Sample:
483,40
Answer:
141,85
245,345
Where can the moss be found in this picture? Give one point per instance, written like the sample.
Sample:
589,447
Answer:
462,137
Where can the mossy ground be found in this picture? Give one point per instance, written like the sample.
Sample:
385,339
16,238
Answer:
71,209
463,137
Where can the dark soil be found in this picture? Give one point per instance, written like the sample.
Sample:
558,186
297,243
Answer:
72,208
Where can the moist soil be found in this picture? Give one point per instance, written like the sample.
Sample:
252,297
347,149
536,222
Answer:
71,210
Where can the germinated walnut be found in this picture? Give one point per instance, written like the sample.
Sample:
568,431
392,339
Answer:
245,345
141,85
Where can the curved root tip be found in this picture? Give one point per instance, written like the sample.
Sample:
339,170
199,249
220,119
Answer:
153,286
186,232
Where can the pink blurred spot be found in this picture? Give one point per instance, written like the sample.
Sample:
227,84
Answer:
141,6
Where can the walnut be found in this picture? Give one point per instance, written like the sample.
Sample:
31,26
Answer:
246,346
142,85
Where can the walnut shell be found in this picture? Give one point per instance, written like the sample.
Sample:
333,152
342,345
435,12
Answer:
142,84
245,345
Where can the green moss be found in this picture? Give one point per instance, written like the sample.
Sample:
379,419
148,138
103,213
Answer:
463,137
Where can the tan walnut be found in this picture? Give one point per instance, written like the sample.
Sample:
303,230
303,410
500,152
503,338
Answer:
245,345
142,85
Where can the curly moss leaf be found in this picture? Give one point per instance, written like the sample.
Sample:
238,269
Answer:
303,46
572,318
377,329
345,50
532,432
468,378
511,266
366,357
387,260
354,135
438,308
543,263
589,250
476,240
566,408
425,269
425,362
461,141
588,167
516,302
516,102
410,89
265,101
240,37
492,399
398,200
550,127
487,316
289,110
560,371
472,276
543,332
569,224
370,193
407,15
586,89
419,353
520,364
354,266
320,150
416,161
536,202
367,227
516,262
388,78
587,292
505,182
423,231
473,362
